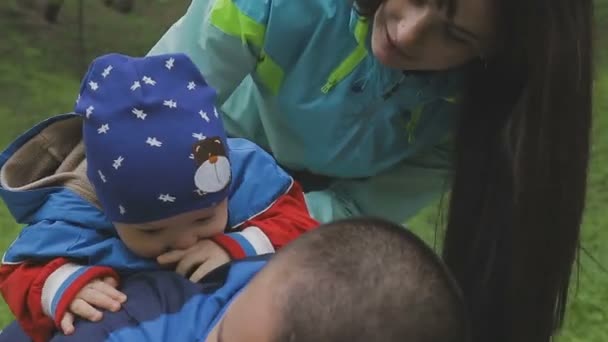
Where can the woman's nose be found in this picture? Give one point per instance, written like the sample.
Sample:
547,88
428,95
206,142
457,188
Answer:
412,28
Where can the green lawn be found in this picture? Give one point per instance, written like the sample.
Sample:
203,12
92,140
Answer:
41,66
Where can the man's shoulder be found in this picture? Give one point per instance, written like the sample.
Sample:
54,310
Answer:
242,269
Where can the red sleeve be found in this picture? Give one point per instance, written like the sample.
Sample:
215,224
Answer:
284,221
21,286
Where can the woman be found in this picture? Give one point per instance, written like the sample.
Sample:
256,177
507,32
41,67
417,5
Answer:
365,101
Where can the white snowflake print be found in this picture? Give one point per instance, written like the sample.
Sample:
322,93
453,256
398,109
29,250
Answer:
135,86
89,111
170,103
203,115
103,129
101,176
93,85
153,142
215,112
166,198
139,113
118,162
191,156
148,80
199,136
199,192
191,85
122,210
169,63
106,71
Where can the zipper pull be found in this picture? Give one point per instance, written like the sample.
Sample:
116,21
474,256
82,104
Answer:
328,86
394,88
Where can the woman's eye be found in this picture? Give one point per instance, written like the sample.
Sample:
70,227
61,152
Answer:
450,34
418,3
152,232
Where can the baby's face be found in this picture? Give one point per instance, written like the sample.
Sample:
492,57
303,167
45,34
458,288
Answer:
154,238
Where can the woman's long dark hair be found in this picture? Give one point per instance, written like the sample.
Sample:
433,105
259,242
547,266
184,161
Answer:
522,150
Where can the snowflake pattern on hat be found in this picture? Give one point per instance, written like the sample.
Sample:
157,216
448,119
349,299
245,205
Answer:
153,151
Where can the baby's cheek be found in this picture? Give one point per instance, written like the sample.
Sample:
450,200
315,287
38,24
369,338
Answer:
219,227
211,229
151,251
145,246
154,249
222,222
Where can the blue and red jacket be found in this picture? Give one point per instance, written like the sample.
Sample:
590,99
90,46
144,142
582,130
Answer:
67,241
163,306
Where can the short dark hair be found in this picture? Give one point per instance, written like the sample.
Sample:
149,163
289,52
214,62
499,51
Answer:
367,8
367,280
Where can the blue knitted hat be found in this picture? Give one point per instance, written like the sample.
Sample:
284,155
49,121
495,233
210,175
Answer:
154,141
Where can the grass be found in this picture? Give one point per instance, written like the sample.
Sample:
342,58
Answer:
41,66
587,318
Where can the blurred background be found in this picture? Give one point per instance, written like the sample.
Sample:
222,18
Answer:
46,45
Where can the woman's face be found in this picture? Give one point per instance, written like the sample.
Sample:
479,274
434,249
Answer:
420,35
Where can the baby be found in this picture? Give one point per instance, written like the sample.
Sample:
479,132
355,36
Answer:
160,184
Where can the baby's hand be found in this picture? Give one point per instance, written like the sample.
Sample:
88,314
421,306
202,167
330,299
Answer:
199,259
98,294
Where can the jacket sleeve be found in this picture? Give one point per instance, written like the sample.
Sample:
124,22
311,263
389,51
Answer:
87,244
37,280
221,39
162,306
285,220
39,294
396,195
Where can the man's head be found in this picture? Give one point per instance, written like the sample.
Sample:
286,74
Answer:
156,148
353,280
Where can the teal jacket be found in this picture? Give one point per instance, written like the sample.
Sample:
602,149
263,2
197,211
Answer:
299,79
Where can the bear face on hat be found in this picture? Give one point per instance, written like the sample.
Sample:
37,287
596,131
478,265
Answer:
213,173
